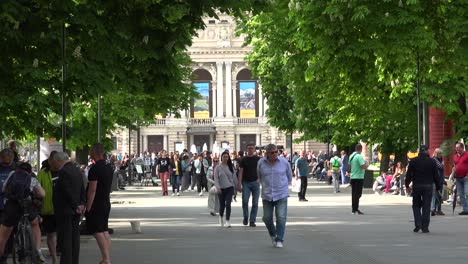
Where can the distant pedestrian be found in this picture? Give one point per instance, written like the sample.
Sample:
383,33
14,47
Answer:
358,167
185,163
213,195
162,168
98,206
301,170
344,167
422,173
249,184
176,174
275,176
335,164
69,198
460,159
226,182
436,203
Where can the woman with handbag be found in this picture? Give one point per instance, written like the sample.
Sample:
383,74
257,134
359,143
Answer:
213,199
225,181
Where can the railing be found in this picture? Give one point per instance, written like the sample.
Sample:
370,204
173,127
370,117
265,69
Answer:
247,120
200,121
159,122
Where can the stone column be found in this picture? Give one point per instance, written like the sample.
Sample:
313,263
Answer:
219,87
260,101
228,89
214,99
166,142
234,100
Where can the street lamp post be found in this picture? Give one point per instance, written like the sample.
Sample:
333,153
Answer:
64,103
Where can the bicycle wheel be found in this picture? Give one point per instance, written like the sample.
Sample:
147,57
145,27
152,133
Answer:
23,246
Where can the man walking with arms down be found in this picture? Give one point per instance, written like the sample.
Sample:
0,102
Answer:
275,175
249,183
301,171
461,175
422,171
358,166
98,202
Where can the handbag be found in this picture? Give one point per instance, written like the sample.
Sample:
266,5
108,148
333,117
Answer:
296,185
213,190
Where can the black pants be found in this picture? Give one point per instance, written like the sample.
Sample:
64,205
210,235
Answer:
422,197
202,182
225,199
302,191
68,232
356,193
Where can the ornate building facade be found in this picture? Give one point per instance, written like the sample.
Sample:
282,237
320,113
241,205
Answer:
231,111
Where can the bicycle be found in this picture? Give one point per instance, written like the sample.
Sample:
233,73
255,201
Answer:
24,249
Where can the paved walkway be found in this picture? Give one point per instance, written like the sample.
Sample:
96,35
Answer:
323,230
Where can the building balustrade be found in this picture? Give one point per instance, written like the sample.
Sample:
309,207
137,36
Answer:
247,120
200,121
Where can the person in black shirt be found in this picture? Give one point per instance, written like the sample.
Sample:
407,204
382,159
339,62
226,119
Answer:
422,172
162,167
248,183
98,202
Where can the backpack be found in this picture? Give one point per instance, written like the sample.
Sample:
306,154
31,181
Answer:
348,169
18,185
335,162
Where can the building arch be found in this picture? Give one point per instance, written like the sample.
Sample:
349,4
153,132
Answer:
247,94
202,107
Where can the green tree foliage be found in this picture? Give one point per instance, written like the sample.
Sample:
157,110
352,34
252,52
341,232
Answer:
352,66
133,53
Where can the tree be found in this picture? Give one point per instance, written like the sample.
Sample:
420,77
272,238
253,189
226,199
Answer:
352,66
130,52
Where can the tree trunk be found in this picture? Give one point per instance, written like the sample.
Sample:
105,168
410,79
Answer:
82,155
384,162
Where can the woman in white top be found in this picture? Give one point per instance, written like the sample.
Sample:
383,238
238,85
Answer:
225,180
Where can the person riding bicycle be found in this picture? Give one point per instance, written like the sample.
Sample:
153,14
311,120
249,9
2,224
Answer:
14,207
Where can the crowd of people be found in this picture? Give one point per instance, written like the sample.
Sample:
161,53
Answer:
67,194
56,201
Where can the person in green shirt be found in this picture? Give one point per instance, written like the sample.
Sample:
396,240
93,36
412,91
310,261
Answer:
335,164
358,166
49,224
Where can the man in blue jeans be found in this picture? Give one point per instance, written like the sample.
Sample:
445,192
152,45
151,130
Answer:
275,175
248,183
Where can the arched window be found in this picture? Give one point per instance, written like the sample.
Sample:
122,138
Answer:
202,107
247,94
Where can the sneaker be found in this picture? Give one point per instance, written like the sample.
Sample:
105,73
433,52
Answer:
279,244
416,229
252,224
463,213
359,212
212,213
221,222
245,222
173,194
425,230
201,193
228,223
273,240
178,194
39,257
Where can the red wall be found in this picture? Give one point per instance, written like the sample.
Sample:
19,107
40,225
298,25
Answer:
439,131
